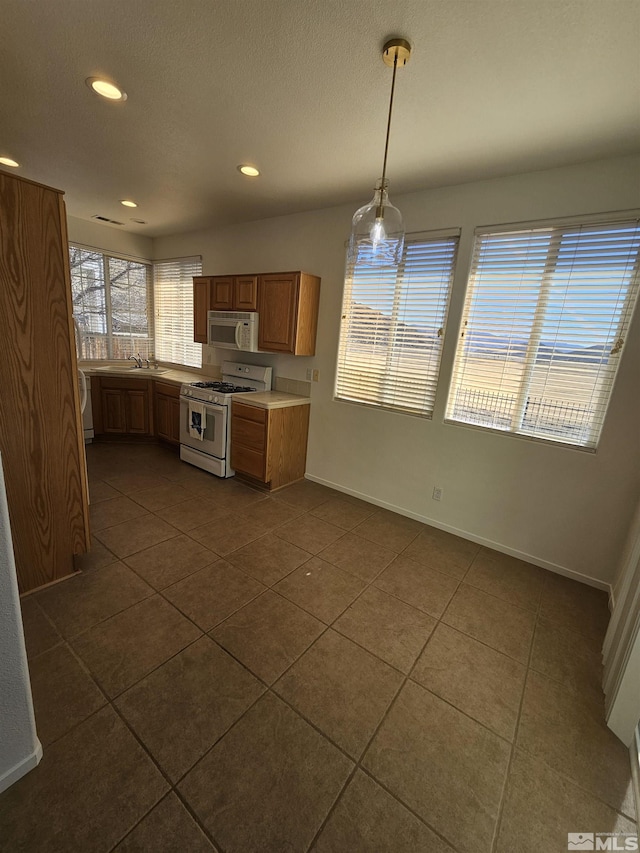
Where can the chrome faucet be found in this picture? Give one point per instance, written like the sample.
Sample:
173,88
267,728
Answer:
137,360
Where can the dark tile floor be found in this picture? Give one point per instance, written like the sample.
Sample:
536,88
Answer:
305,671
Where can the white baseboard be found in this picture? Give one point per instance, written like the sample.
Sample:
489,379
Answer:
480,540
21,768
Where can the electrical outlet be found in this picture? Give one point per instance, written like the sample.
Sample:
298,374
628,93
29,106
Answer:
316,375
438,491
309,374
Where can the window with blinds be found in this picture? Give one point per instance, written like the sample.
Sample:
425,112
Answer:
173,299
545,320
111,304
392,327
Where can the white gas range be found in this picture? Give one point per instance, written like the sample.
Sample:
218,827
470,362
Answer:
205,415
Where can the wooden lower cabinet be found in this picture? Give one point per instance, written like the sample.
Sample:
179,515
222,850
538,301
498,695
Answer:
166,406
122,406
113,408
269,446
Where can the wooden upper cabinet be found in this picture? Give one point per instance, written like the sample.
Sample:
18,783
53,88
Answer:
234,293
245,293
201,288
288,309
221,295
286,302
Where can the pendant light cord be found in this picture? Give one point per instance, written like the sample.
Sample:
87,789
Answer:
386,144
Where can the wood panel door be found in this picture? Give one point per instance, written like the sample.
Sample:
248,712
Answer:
114,418
137,412
278,306
174,419
162,416
201,287
167,413
221,293
245,293
41,436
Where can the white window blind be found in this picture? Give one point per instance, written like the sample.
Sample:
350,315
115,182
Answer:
392,327
173,298
546,315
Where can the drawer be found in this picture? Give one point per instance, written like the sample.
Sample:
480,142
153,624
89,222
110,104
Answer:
123,383
247,461
248,433
167,389
250,413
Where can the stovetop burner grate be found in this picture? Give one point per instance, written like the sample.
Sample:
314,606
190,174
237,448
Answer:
222,387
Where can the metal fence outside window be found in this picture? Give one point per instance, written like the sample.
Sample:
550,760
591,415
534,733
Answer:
542,415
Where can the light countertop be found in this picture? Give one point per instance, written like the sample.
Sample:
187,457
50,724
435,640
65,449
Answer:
263,399
175,376
272,400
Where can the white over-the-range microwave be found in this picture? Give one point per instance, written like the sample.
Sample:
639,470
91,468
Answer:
233,330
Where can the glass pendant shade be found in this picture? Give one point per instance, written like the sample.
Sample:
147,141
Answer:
377,232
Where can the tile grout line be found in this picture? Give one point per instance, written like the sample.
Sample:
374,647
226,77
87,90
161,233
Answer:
573,782
405,679
331,625
507,776
111,702
358,763
269,688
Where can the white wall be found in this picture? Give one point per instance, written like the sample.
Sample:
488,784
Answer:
20,749
109,238
562,508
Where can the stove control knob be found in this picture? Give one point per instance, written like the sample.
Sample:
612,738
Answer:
246,370
187,392
210,397
215,399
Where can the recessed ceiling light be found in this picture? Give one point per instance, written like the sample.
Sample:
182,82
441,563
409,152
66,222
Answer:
250,171
106,88
128,203
7,161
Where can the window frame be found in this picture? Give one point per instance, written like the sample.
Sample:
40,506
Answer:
108,313
413,238
628,311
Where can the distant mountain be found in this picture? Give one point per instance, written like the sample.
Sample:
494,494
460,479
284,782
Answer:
406,335
487,344
481,343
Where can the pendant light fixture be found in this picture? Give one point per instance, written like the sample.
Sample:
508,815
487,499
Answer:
377,229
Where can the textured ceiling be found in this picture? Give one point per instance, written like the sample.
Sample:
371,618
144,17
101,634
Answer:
494,87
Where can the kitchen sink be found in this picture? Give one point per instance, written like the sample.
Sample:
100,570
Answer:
138,371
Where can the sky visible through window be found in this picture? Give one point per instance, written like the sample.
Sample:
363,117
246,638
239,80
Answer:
582,285
545,319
